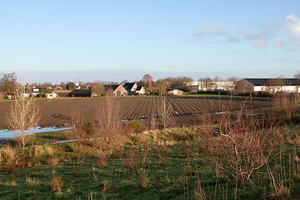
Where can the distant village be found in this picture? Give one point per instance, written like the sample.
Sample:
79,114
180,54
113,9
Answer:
147,86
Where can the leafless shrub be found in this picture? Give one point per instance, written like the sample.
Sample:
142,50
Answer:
82,133
23,115
153,124
131,160
161,149
281,193
165,113
109,126
239,145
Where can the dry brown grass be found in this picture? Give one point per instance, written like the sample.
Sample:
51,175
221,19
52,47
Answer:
56,183
8,154
143,182
12,184
102,158
285,104
38,150
54,161
30,180
49,150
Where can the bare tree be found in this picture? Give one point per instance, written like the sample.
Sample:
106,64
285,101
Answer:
280,82
231,83
271,86
216,82
165,112
23,115
208,84
201,84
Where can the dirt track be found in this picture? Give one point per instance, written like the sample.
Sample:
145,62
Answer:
57,112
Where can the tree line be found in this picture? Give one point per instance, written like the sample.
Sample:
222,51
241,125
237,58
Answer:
8,84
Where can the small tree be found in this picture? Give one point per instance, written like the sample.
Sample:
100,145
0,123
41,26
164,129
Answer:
98,89
8,83
109,125
23,115
208,84
165,112
147,82
71,86
201,84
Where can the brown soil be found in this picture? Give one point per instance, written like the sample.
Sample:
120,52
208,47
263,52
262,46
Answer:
57,112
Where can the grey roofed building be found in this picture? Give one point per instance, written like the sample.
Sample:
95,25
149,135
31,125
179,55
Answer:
265,81
130,86
117,90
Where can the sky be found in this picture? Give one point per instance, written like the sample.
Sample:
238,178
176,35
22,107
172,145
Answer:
58,41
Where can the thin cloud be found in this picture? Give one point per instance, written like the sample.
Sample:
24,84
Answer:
271,26
286,60
259,40
216,33
279,43
293,29
266,32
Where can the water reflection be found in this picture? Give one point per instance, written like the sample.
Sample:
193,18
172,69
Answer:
6,133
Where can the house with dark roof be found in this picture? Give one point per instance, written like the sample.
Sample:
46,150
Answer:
89,86
272,85
140,90
130,87
116,90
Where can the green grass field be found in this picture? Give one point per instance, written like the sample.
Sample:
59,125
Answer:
154,165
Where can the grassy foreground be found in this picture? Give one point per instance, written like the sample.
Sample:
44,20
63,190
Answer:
167,164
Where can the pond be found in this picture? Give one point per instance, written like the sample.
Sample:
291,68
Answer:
6,133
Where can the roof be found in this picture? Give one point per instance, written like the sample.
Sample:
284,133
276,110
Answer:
139,88
128,86
265,81
113,87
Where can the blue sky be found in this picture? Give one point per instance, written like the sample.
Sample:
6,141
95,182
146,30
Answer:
55,41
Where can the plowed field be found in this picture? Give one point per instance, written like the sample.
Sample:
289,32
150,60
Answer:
57,112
